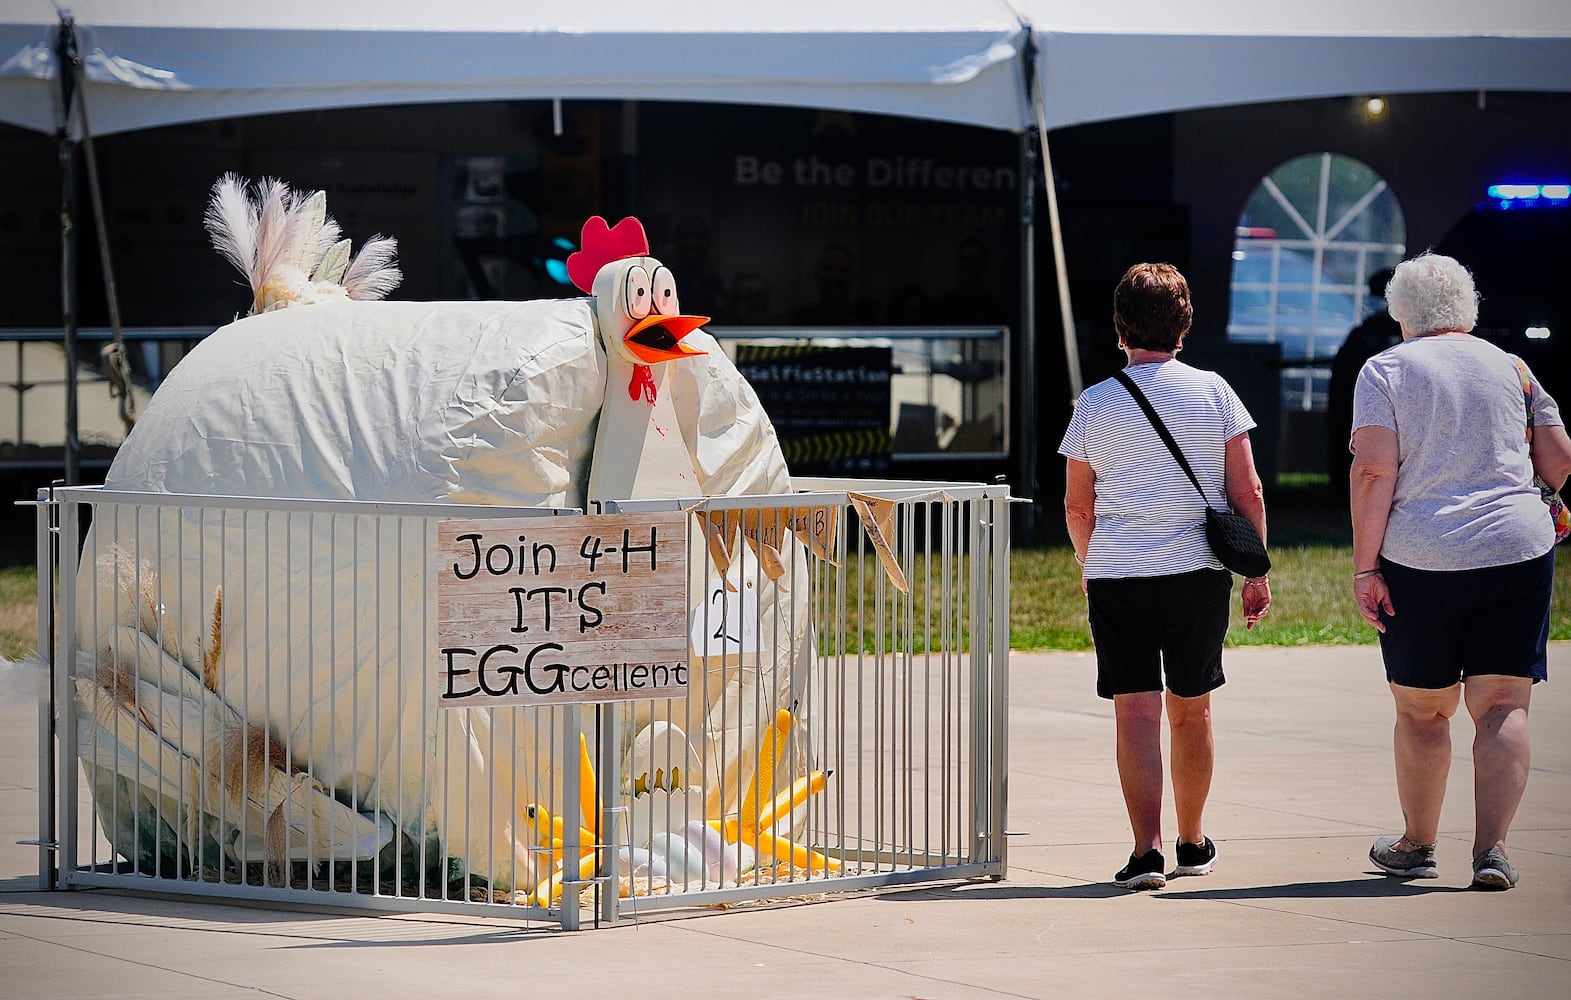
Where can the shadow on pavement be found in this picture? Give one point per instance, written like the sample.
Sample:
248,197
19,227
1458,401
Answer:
129,908
1006,890
1179,888
1351,888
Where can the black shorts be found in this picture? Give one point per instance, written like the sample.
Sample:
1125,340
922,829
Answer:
1451,624
1146,627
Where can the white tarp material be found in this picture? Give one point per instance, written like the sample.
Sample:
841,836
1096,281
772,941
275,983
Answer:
459,402
463,402
151,64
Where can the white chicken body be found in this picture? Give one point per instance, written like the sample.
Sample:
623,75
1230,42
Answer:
538,404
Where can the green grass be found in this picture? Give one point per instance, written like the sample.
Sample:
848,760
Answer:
18,611
1311,591
1311,601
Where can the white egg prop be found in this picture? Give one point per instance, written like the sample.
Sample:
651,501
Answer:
683,862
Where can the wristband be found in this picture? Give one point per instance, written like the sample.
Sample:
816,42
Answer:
1365,574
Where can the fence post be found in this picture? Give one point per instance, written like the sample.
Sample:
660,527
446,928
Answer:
65,690
608,780
980,549
998,606
48,847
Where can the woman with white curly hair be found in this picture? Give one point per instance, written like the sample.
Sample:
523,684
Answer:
1453,555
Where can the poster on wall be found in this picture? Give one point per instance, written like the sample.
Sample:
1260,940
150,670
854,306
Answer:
815,218
829,405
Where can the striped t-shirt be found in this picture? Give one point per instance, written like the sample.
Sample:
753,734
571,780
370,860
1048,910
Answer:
1149,519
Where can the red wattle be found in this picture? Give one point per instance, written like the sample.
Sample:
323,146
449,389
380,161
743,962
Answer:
643,384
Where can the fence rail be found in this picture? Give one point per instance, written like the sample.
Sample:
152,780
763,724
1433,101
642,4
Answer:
252,690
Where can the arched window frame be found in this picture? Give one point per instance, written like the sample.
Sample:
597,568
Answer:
1306,373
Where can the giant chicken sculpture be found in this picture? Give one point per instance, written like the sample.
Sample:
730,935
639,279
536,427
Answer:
540,404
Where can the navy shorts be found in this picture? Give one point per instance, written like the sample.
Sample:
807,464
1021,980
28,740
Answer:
1451,624
1145,627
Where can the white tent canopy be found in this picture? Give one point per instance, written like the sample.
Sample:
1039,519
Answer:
1101,61
185,60
160,62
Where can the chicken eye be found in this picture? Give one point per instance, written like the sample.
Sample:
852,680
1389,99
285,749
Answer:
665,292
638,294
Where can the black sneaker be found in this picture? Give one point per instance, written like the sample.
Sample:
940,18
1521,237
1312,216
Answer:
1144,872
1195,859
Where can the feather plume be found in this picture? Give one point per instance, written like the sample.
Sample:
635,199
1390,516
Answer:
214,648
138,582
272,238
327,237
334,262
373,273
290,250
309,217
231,223
273,201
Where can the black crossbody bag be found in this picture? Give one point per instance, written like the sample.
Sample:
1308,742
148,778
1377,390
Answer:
1234,540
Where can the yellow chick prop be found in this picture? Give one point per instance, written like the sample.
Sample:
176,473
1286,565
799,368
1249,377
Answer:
550,832
758,816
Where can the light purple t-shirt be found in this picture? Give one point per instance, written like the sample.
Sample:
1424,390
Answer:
1464,487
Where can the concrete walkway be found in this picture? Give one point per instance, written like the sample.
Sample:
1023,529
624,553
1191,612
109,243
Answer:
1294,908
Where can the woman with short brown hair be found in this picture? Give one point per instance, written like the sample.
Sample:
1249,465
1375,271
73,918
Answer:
1156,595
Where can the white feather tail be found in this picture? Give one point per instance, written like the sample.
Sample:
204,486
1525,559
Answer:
231,222
373,273
290,250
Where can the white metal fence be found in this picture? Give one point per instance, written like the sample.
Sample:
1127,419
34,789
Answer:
252,690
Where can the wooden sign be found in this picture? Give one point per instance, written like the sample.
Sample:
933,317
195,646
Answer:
567,609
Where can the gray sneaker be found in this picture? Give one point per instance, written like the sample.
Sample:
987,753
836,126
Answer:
1418,863
1491,870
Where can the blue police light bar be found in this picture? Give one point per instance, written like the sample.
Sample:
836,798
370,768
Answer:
1525,195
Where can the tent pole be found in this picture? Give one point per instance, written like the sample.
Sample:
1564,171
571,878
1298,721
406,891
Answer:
117,361
1038,110
65,58
1024,445
1065,309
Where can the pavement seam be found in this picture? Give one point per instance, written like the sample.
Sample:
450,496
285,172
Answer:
149,965
860,962
1482,942
165,923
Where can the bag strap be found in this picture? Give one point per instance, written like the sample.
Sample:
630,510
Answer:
1161,430
1527,392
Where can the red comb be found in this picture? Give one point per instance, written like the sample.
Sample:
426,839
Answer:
602,245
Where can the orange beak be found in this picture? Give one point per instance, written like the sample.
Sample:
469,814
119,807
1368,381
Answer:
657,338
